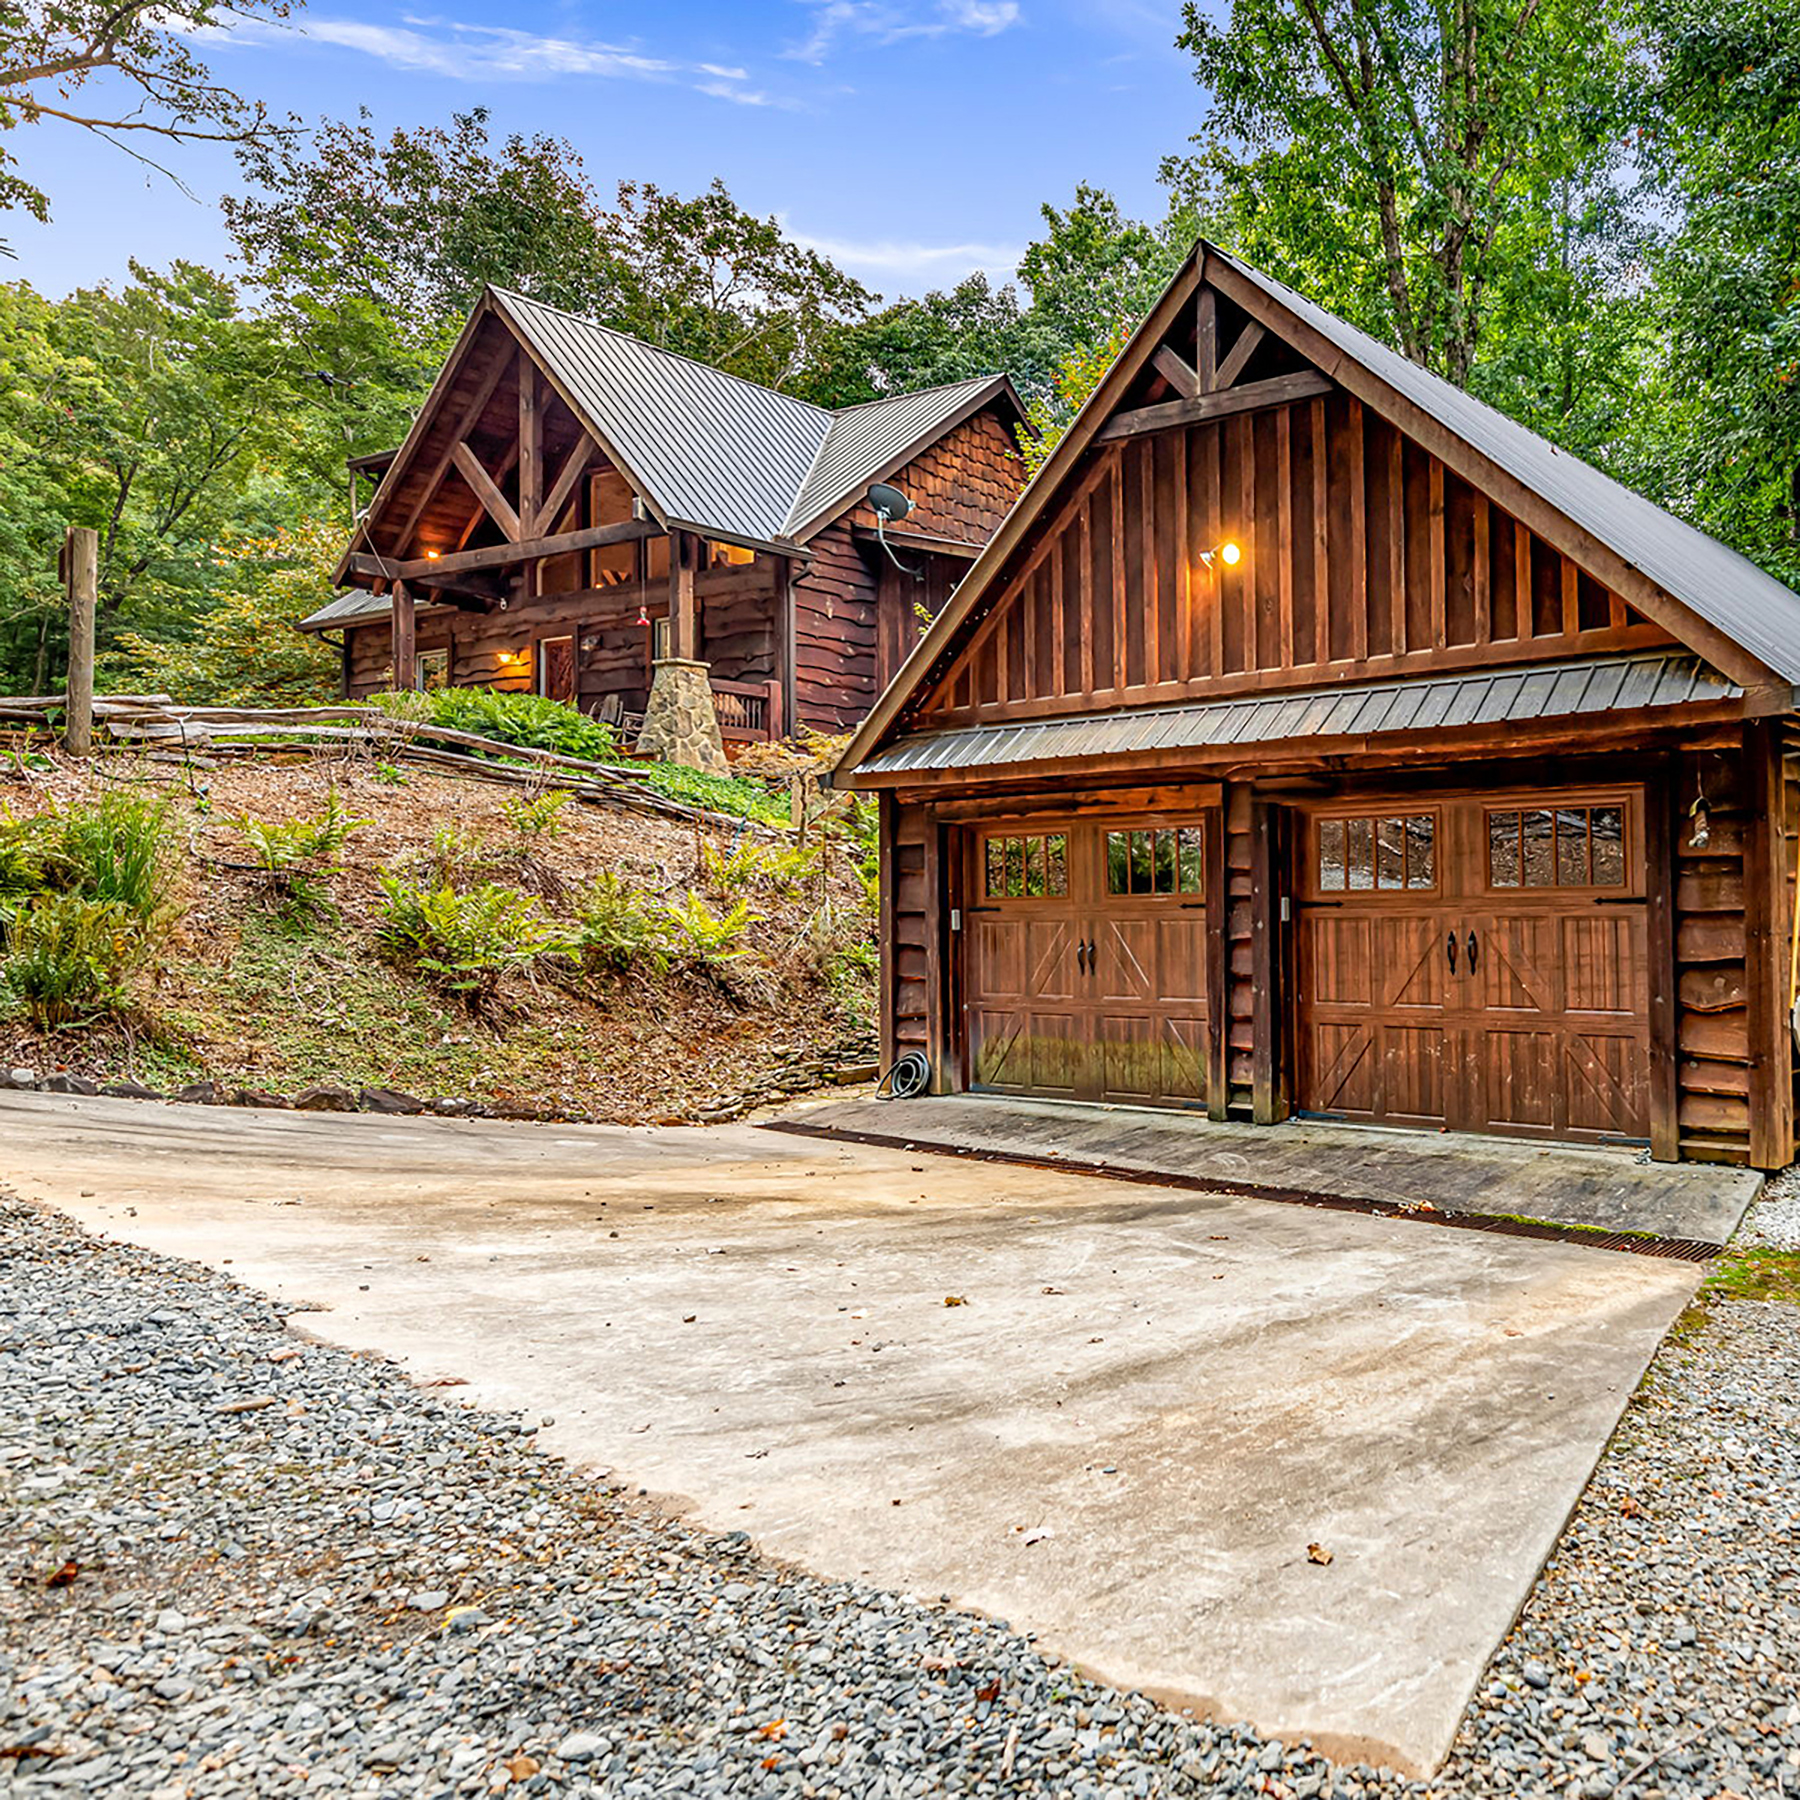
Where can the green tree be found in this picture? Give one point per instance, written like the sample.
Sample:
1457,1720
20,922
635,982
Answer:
244,650
408,230
152,82
1408,162
1726,153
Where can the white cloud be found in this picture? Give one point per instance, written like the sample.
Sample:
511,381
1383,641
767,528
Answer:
882,23
915,263
491,53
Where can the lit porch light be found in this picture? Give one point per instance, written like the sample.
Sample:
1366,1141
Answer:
1229,553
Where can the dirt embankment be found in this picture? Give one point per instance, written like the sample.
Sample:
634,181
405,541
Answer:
253,994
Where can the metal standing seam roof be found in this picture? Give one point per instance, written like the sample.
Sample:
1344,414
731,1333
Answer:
710,448
1428,703
714,452
865,439
1749,605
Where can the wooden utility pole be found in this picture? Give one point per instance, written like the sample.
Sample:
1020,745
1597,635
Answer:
79,566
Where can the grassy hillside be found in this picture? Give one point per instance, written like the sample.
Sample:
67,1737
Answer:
276,923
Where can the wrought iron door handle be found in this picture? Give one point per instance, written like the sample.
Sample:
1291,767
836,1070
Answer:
1450,951
1474,951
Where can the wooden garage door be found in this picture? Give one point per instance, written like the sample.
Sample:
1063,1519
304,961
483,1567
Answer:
1479,964
1086,961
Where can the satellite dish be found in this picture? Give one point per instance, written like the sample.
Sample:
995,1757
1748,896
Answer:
891,506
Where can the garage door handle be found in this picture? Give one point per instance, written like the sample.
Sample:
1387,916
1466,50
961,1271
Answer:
1474,951
1450,951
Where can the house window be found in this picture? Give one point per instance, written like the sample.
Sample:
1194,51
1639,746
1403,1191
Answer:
1026,868
660,638
1389,854
727,555
1156,862
1562,846
431,670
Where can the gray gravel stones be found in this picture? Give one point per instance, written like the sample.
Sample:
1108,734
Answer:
364,1590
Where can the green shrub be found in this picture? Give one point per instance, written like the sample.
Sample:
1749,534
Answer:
704,939
618,925
67,956
536,815
119,848
464,942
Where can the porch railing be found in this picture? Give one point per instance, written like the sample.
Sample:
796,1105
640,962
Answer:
749,711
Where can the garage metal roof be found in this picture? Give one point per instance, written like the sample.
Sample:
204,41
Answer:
1431,703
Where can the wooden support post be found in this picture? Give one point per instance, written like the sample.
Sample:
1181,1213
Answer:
940,953
531,447
406,676
1206,339
81,580
885,811
1766,950
684,625
1659,893
1268,1087
1218,965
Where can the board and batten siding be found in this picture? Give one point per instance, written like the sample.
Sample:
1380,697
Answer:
1363,557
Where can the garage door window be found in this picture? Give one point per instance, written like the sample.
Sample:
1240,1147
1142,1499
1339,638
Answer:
1565,846
1397,853
1156,862
1026,868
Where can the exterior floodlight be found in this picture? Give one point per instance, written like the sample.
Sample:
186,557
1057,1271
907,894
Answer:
1229,553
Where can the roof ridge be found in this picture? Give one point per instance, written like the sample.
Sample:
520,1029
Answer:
937,387
693,362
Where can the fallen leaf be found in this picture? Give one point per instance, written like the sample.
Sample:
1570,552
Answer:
775,1729
955,1300
1317,1553
65,1576
1053,1290
522,1767
990,1692
771,1762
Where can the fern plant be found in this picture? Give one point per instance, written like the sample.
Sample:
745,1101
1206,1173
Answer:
465,942
295,856
731,873
536,815
617,926
705,939
68,956
118,849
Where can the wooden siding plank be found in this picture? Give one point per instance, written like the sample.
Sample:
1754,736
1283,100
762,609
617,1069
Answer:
1440,618
1766,942
1659,875
1321,545
1482,572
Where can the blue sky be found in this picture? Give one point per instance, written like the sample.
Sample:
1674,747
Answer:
912,140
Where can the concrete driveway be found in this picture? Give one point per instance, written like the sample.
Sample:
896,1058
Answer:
1140,1412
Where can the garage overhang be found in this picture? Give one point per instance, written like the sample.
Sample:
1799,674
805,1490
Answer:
1623,684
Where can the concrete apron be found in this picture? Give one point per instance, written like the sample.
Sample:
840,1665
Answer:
1587,1187
1149,1407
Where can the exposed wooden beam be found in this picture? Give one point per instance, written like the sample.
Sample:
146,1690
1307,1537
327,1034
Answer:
1255,397
500,556
469,467
466,421
1175,371
478,512
469,592
531,444
1206,338
927,541
1241,352
566,478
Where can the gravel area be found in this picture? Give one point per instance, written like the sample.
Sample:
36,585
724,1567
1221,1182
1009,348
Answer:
236,1563
1775,1218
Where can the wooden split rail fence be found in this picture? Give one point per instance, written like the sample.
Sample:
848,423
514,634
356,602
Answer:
156,720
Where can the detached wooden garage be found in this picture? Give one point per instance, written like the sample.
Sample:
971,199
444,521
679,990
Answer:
1312,739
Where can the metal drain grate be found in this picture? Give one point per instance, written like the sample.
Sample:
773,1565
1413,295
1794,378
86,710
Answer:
1630,1242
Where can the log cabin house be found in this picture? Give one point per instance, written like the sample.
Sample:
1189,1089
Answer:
1313,740
573,507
